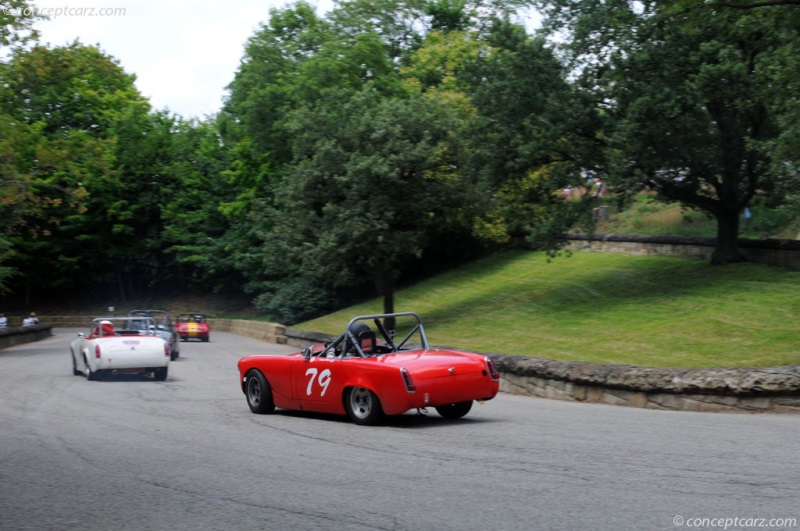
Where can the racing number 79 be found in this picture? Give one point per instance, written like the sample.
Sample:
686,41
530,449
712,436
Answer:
324,380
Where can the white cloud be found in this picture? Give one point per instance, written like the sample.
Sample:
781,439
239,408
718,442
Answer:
182,52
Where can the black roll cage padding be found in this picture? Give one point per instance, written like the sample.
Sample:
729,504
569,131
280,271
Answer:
348,339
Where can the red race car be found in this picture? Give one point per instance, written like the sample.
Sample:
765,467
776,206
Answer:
367,373
192,326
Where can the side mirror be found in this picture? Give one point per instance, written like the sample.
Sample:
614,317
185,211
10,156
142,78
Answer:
307,352
80,334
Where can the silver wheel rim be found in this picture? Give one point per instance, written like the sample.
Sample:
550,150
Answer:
361,402
254,391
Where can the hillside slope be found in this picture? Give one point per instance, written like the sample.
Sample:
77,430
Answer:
648,311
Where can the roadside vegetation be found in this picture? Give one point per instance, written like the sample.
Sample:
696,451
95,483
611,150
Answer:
388,143
382,142
646,215
646,311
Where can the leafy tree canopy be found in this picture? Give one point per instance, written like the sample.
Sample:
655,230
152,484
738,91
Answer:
61,108
16,23
688,102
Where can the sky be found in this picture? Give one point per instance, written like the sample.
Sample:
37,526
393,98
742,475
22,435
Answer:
183,53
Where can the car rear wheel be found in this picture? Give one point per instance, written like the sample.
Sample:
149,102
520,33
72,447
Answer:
258,393
363,406
87,370
160,374
454,411
75,370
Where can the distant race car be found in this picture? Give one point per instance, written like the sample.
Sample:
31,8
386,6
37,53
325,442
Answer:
367,373
120,345
164,328
192,326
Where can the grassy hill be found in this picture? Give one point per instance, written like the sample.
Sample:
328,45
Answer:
648,311
653,218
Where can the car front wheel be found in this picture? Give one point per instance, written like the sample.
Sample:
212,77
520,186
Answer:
258,393
454,411
363,406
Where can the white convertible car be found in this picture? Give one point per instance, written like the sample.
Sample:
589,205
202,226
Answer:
120,345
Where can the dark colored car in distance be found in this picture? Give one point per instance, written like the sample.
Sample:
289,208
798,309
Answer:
164,328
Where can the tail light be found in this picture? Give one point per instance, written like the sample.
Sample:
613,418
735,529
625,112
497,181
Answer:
97,351
407,381
166,349
493,374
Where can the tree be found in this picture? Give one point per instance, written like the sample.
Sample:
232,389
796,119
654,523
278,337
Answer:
688,101
64,105
265,86
198,215
16,28
362,120
370,183
404,24
527,135
16,23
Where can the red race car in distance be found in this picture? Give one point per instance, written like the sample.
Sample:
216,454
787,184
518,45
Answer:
192,326
380,365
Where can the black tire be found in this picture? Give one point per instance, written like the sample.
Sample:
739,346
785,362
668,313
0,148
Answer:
363,406
75,370
160,373
455,411
87,370
258,393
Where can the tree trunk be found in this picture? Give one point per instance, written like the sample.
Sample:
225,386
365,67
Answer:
727,248
121,287
384,284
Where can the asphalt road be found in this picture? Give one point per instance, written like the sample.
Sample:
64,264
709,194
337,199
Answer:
131,453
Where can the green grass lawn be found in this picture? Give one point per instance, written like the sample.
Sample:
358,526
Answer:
647,311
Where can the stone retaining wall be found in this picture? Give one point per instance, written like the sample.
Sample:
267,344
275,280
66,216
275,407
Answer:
782,253
302,338
718,389
24,334
69,321
270,332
